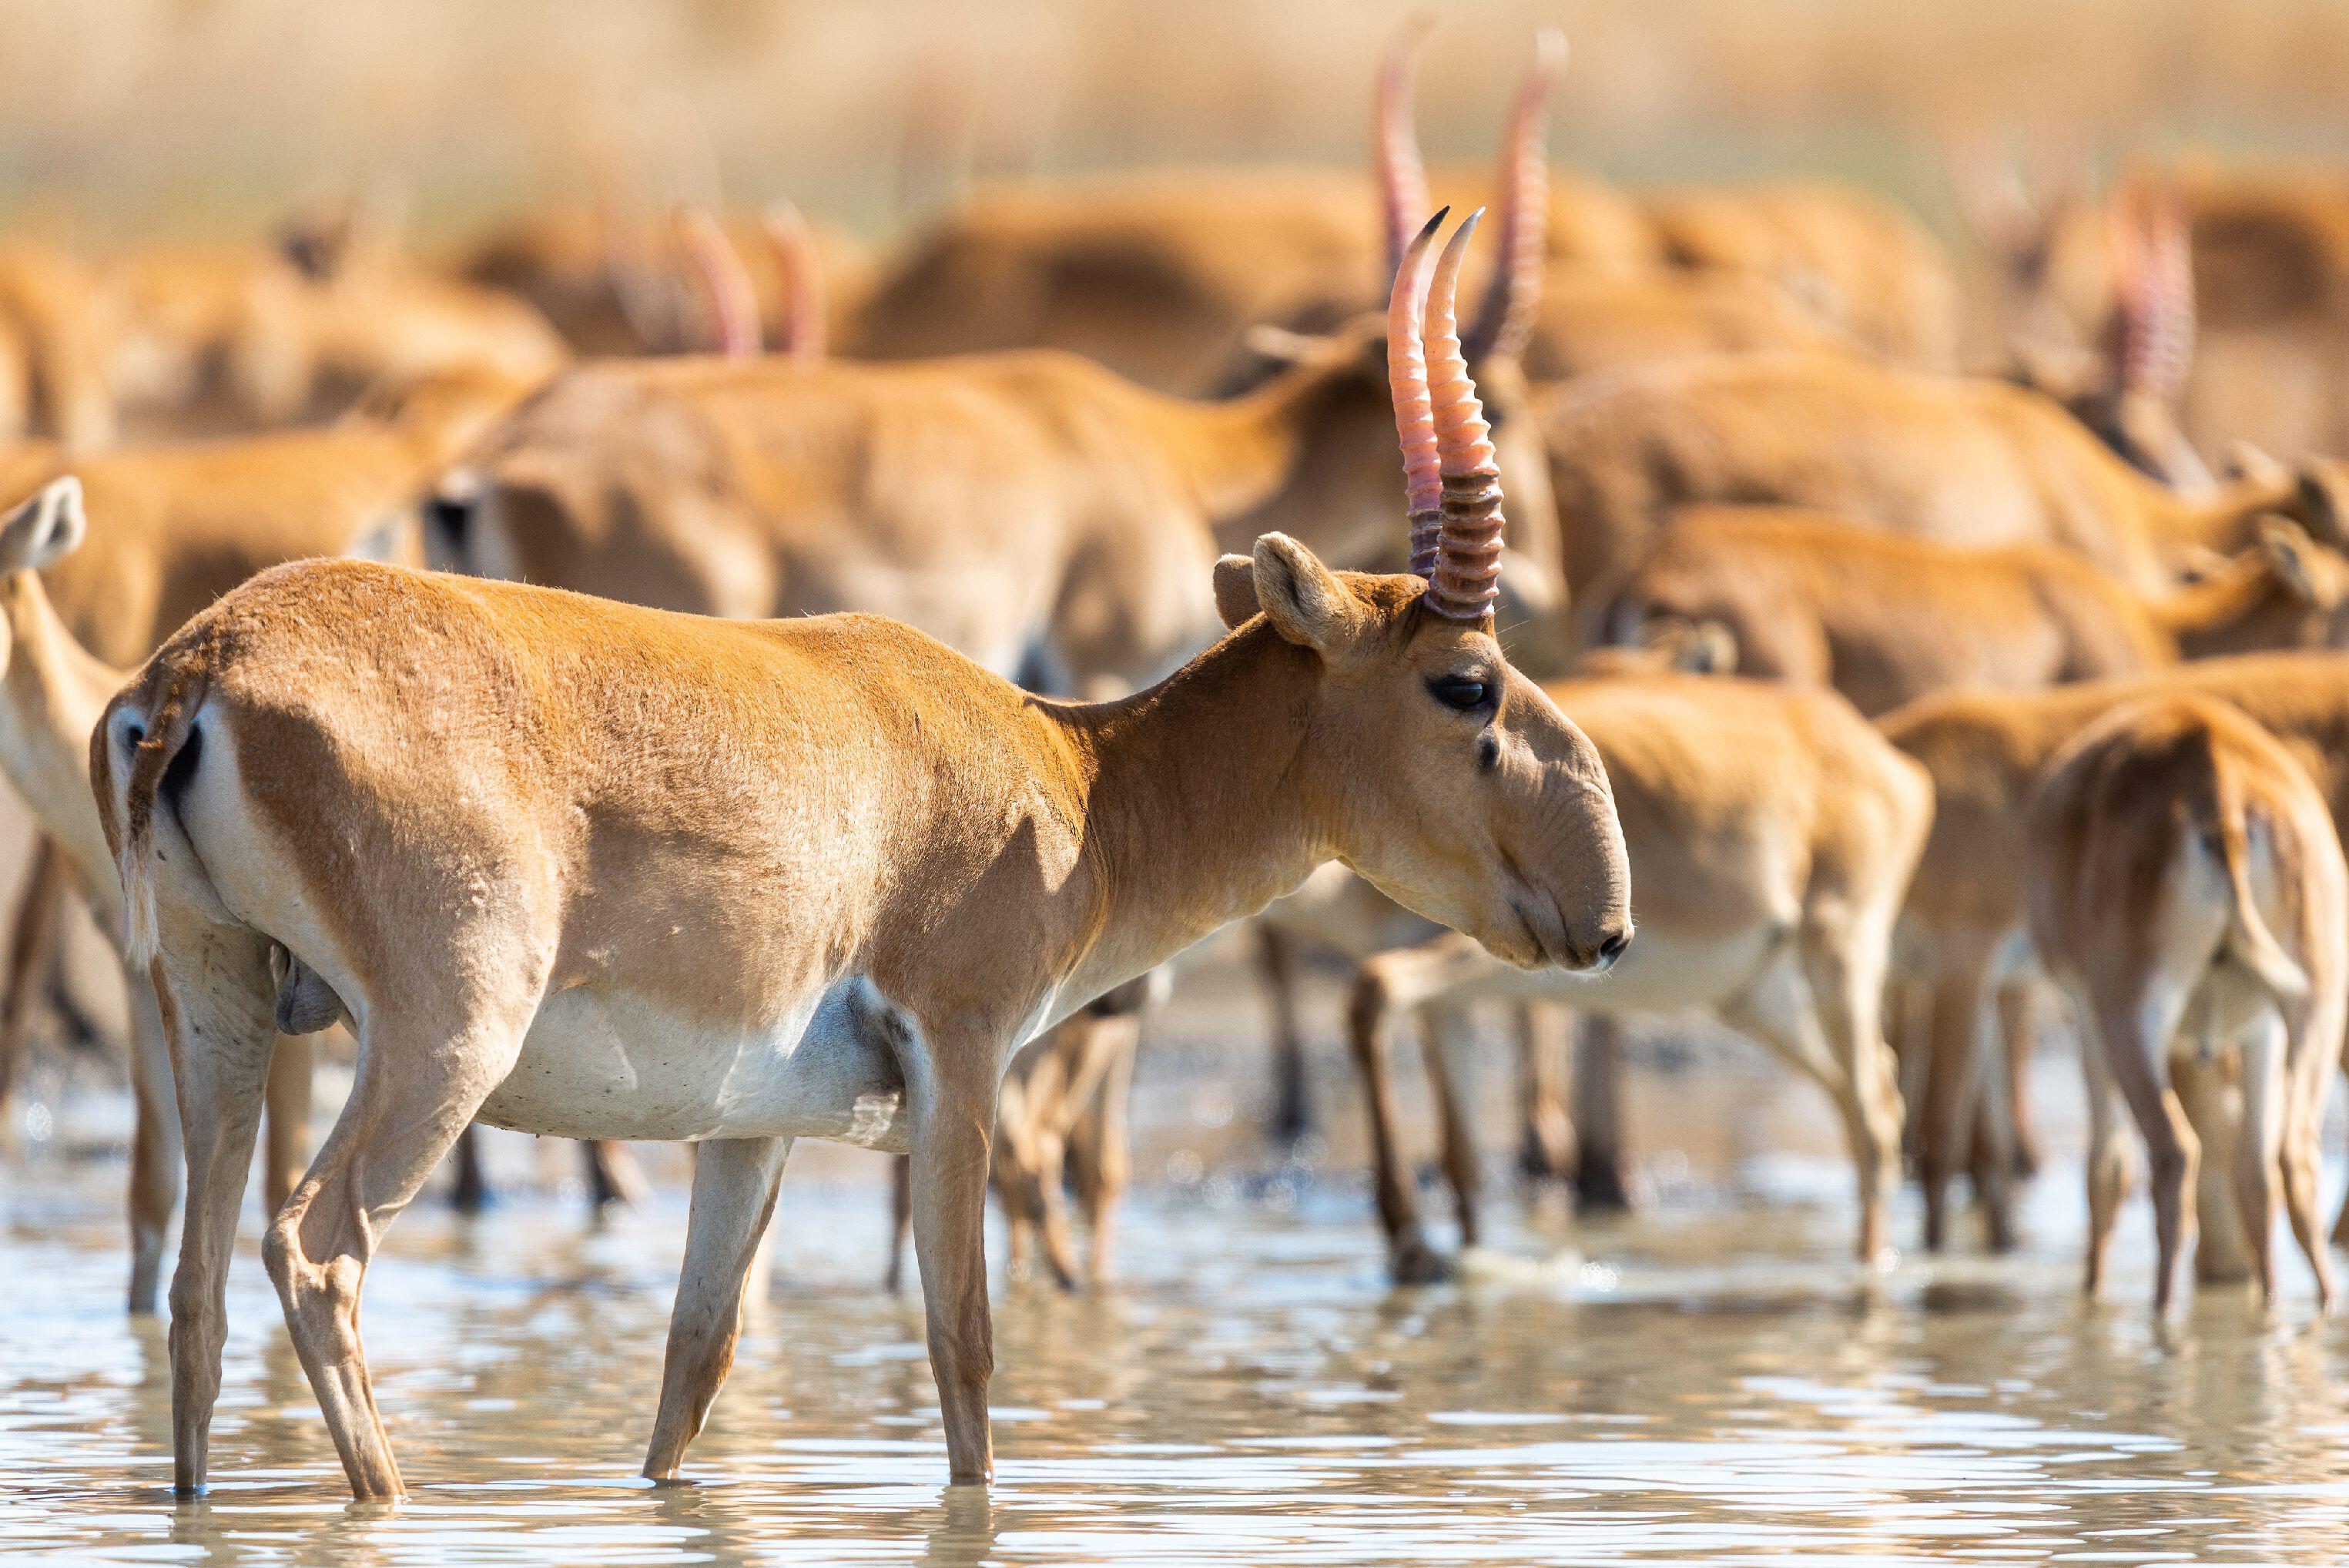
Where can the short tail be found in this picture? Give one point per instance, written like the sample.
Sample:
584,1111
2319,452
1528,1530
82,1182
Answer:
2248,940
152,741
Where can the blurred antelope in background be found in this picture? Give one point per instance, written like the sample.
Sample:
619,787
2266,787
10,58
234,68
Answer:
1885,619
2186,882
1963,461
1965,922
1775,832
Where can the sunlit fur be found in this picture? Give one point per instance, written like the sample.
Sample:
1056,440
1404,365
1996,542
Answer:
819,876
1966,907
1885,619
1966,462
2184,880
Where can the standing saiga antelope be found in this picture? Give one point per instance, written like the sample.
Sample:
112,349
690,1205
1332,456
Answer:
2186,882
601,871
1775,832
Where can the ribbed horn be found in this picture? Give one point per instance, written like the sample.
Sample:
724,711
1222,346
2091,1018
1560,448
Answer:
2153,277
1403,178
1467,572
1512,299
1422,477
726,290
793,243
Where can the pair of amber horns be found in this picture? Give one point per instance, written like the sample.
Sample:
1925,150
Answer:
1449,475
1505,318
1454,490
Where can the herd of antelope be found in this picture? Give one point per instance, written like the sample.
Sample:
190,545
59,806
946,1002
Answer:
688,679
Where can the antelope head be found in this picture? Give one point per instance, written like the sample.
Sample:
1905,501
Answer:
2149,338
1451,780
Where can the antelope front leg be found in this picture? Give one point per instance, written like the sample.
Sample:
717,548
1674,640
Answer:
951,1124
734,1185
1292,1110
36,936
1104,1168
1410,1257
1444,1040
613,1174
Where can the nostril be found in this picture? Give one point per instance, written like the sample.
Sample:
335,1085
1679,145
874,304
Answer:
1612,948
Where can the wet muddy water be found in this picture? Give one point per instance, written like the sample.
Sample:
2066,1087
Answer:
1711,1382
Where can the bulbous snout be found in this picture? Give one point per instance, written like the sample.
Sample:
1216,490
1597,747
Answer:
1575,902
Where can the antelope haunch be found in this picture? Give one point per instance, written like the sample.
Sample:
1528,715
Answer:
1775,833
487,816
1885,619
2186,884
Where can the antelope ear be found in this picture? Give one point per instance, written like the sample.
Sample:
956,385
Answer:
2290,556
1302,598
2321,505
49,525
1235,591
2253,465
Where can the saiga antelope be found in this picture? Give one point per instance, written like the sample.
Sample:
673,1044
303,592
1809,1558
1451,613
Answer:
1964,924
2185,884
483,816
1885,619
1775,833
2260,255
1968,461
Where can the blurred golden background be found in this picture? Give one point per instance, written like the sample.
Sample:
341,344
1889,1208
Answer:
189,114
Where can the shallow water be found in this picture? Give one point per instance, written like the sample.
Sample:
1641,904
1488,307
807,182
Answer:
1715,1386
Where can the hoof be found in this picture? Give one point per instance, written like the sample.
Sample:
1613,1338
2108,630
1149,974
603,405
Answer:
1416,1263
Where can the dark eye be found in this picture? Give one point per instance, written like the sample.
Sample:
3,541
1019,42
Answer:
1465,693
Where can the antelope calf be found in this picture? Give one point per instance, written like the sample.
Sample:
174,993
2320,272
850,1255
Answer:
1886,619
1775,833
895,867
2185,884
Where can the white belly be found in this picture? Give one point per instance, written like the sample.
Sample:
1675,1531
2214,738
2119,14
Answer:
605,1064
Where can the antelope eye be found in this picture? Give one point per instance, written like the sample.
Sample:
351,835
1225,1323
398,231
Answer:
1464,693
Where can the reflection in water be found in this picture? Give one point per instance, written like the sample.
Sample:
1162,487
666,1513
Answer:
1713,1386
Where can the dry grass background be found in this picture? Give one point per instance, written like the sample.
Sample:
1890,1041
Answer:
119,116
